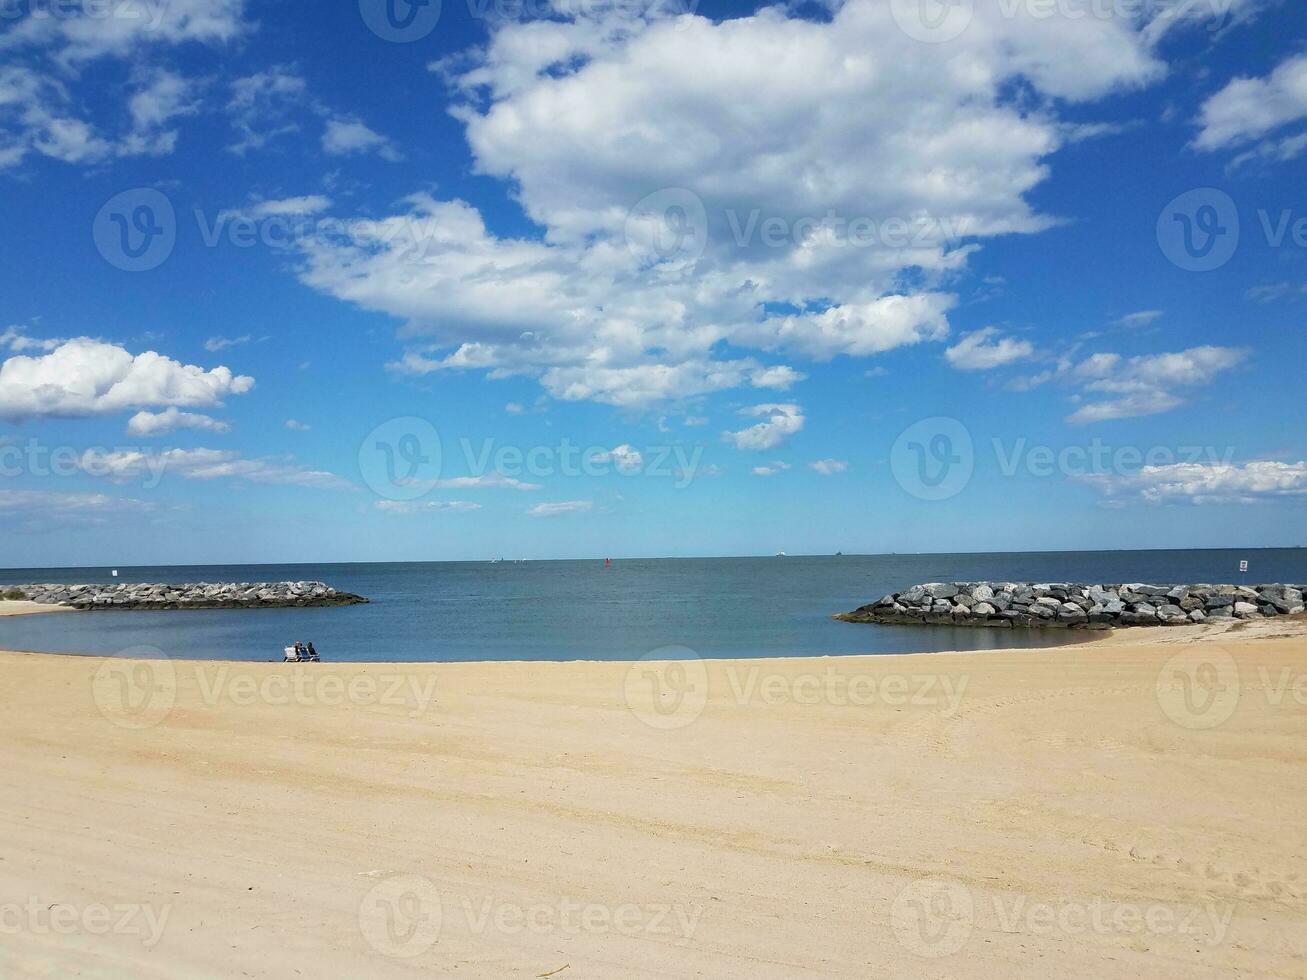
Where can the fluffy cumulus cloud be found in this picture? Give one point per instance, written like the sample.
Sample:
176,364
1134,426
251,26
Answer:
347,137
780,422
1110,386
1248,110
771,469
148,424
84,377
1205,483
829,467
626,458
45,58
85,32
1148,384
808,189
986,349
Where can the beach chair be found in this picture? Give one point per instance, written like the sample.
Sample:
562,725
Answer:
291,655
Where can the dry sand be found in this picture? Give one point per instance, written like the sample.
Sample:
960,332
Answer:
21,607
1135,807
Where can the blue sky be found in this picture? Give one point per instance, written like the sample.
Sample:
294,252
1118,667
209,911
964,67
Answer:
303,282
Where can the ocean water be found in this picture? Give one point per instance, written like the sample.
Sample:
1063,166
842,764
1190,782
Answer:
578,610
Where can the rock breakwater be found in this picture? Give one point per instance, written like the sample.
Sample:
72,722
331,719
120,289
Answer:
1062,605
201,595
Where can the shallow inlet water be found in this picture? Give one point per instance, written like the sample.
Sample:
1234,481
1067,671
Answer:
578,610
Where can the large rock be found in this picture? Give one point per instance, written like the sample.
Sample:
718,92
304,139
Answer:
202,595
1004,604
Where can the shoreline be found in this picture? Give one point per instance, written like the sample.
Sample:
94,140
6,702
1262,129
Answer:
22,607
1281,626
763,818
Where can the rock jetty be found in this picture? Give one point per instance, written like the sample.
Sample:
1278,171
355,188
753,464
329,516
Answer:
1060,605
201,595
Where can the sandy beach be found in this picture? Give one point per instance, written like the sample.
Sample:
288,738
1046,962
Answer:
21,607
1131,807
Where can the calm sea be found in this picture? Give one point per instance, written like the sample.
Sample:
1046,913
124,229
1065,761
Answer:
578,610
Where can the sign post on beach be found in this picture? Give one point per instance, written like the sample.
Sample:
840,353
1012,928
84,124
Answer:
1243,570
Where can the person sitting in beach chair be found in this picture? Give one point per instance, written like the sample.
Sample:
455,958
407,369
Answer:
312,653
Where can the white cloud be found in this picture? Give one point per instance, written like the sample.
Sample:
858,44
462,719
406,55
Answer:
983,350
626,458
515,408
780,377
127,28
131,465
265,106
487,481
1143,318
147,424
346,137
562,507
215,344
38,510
305,204
162,97
1251,108
829,467
1272,292
425,506
858,329
1205,483
85,377
295,425
17,340
45,54
781,421
1148,384
617,141
771,469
